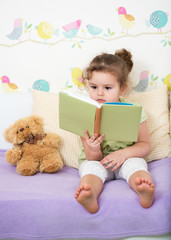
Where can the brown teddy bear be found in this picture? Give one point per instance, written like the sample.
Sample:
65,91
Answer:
33,150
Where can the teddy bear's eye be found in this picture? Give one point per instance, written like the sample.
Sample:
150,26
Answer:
17,132
27,127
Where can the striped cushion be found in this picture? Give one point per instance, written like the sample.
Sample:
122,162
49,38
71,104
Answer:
45,105
155,103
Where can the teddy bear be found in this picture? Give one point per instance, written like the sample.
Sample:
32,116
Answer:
33,150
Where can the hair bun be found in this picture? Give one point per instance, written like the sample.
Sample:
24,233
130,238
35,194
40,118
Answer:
126,56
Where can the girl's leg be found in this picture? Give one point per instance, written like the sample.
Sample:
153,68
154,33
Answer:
93,175
88,191
141,182
135,172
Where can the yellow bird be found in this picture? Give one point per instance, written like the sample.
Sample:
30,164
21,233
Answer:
7,86
77,77
45,30
126,20
167,81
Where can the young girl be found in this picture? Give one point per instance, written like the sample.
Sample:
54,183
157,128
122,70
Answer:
105,160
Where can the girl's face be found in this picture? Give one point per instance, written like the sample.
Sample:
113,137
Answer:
104,87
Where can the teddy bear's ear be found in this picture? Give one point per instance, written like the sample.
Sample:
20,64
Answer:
8,134
38,120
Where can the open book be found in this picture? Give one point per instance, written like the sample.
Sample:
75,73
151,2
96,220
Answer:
117,121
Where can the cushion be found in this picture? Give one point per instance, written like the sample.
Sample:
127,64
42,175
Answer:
170,110
155,103
46,105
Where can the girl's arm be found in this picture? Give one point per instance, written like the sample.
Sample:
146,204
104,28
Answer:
92,146
140,149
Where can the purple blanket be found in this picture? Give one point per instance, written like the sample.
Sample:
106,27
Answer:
43,206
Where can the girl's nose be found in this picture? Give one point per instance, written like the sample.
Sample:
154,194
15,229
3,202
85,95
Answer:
100,92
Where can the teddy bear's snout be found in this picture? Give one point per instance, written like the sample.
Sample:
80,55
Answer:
23,133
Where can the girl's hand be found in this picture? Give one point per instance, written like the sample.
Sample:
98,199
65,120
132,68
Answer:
94,142
114,160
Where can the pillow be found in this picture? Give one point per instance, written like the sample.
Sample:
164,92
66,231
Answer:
155,103
46,105
170,110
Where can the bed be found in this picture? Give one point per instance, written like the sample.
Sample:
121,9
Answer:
43,206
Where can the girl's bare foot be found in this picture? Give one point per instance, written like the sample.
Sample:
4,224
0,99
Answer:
145,190
85,196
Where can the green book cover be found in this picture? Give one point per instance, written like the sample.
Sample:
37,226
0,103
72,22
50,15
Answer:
119,121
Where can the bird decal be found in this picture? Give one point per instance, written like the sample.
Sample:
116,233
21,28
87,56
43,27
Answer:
73,25
71,29
77,77
158,19
17,30
45,30
41,85
126,20
167,81
143,83
7,86
93,30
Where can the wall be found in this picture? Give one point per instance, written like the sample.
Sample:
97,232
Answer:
53,40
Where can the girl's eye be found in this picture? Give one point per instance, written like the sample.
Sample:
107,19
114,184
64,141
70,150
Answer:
108,88
93,87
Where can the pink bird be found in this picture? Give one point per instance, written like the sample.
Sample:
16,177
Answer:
17,30
126,20
143,83
73,25
7,86
71,29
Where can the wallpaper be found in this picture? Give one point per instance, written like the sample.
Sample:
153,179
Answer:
46,44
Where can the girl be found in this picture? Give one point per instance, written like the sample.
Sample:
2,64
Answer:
103,160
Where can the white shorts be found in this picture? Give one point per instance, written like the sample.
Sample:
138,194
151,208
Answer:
129,167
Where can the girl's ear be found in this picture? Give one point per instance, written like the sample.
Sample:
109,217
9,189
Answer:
123,89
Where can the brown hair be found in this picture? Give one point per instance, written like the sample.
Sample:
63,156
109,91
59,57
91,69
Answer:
119,64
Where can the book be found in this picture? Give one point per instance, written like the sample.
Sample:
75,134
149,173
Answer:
117,121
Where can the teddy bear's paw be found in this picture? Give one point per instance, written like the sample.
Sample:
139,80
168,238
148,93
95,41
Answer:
26,172
51,140
13,156
27,168
51,168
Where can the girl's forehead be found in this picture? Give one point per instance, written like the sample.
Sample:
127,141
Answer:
103,77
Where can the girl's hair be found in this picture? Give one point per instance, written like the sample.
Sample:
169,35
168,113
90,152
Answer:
119,64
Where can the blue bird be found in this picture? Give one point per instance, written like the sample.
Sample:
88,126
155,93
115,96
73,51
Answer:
17,30
158,19
93,30
41,85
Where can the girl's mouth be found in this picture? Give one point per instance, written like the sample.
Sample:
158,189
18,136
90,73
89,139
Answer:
101,101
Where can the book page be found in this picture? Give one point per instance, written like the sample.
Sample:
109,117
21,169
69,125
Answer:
76,115
120,122
83,98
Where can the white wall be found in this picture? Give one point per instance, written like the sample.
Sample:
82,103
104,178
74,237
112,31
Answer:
31,58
